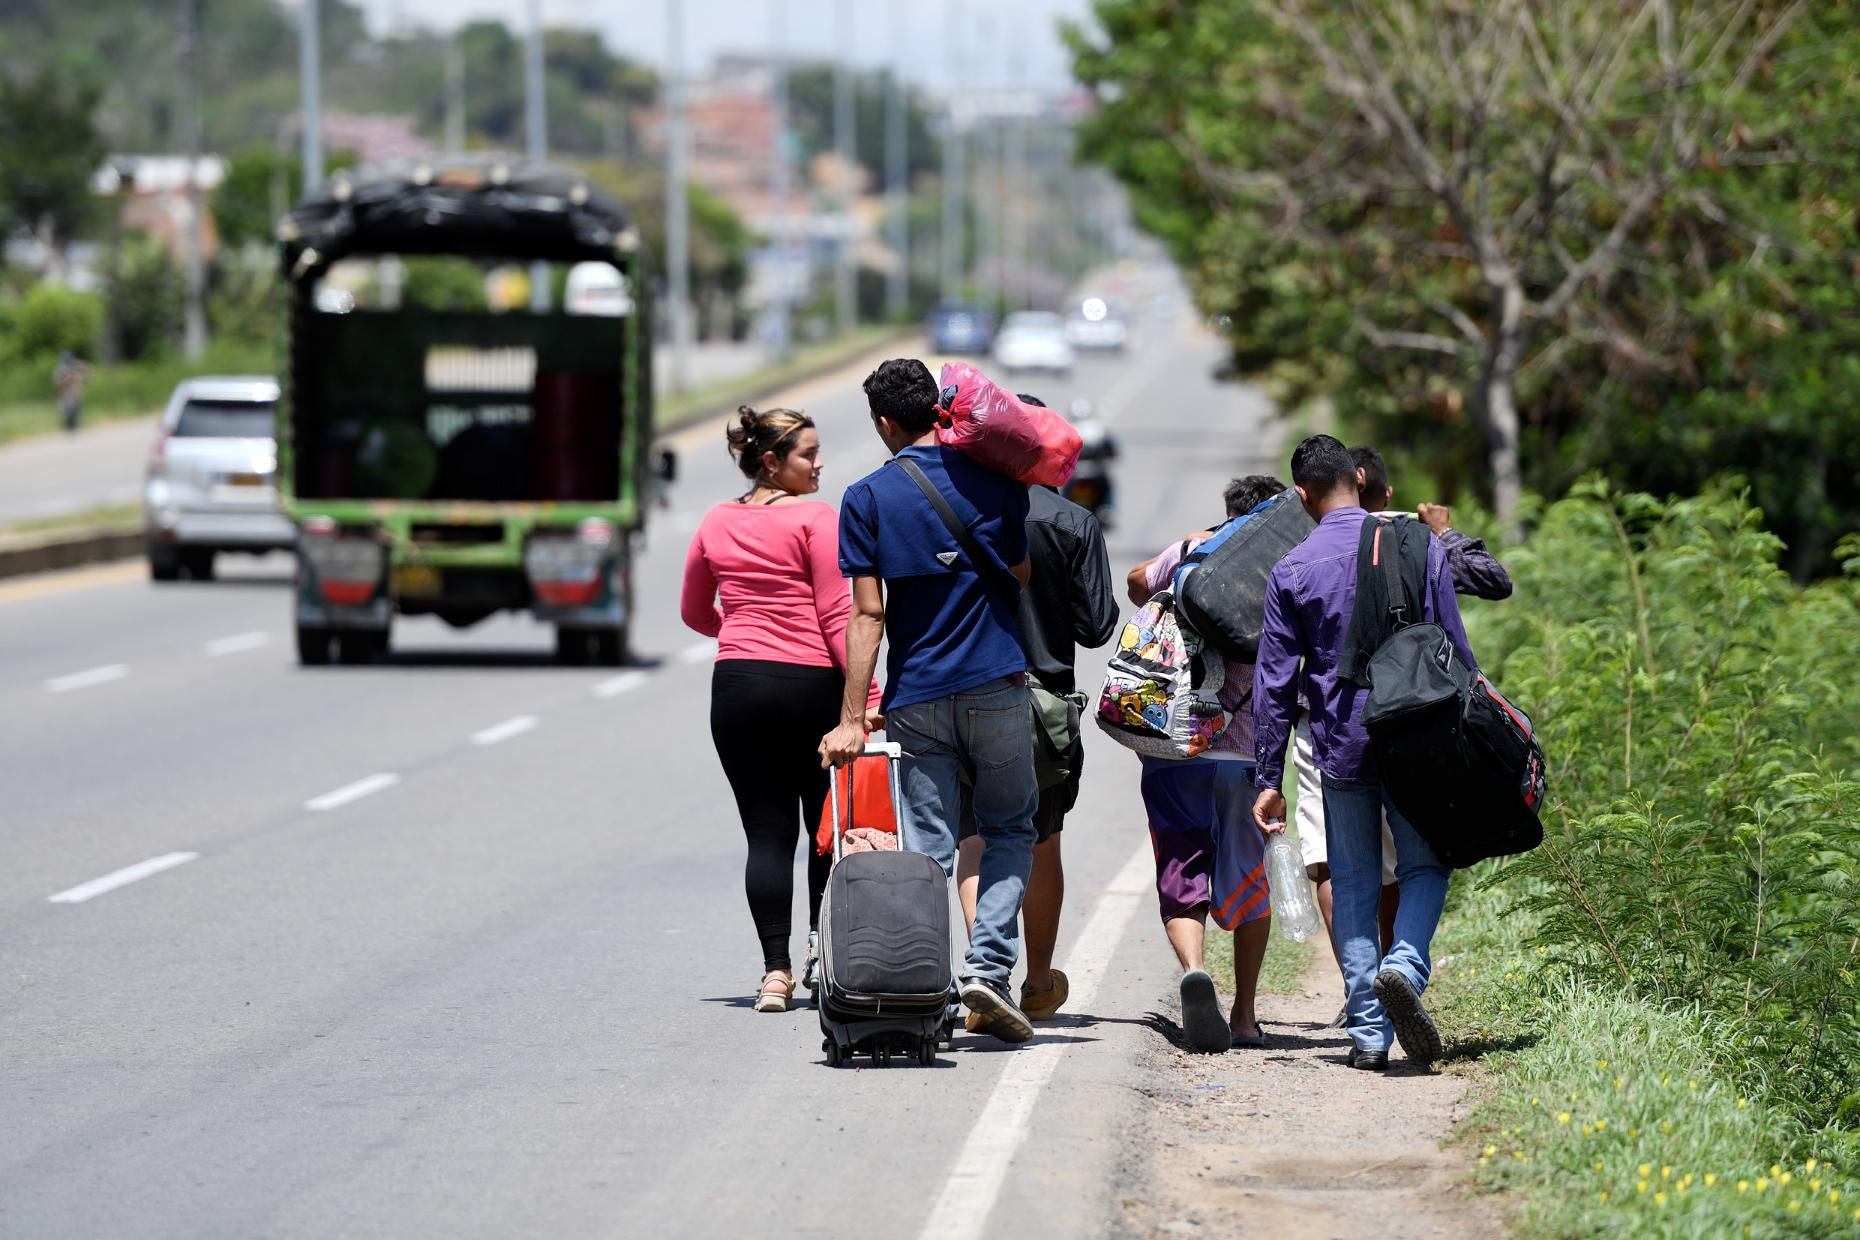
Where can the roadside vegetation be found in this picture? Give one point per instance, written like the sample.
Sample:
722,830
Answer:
1666,993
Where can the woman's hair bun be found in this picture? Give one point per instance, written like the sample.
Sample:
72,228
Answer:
760,431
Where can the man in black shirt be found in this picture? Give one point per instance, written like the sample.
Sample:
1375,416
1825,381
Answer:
1068,602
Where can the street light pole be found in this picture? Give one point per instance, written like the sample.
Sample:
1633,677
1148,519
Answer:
897,290
194,329
455,93
784,233
538,134
677,208
310,91
845,285
955,200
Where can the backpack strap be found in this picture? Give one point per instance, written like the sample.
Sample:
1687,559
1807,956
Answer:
984,566
1386,553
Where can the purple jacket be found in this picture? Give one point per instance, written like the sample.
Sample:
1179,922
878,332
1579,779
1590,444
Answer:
1308,601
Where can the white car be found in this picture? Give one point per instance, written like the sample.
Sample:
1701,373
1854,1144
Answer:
212,477
1096,324
1033,340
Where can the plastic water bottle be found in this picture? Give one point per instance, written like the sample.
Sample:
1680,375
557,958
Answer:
1293,910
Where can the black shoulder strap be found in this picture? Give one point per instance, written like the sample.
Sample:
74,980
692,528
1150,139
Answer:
1388,557
981,563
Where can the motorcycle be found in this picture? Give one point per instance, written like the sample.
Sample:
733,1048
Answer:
1090,486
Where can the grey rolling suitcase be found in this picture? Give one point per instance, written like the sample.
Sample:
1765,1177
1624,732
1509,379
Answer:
885,962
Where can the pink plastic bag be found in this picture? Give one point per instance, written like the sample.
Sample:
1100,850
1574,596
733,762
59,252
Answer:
990,424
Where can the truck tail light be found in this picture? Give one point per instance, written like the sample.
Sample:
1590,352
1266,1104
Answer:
564,568
348,567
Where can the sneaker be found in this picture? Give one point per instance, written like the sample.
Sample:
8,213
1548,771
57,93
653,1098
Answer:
1414,1028
810,968
1342,1019
1042,1004
1368,1061
1202,1021
998,1013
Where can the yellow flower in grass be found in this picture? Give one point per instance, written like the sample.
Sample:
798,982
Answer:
1692,1084
1785,1177
1666,1078
1763,1183
1603,1197
1793,1206
1666,1125
1533,1099
1810,1165
1598,1167
1601,1125
1659,1199
1666,1173
1834,1196
1687,1179
1562,1117
1743,1104
1620,1083
1588,1130
1743,1186
1601,1065
1711,1178
1814,1186
1645,1168
1633,1134
1641,1186
1776,1172
1489,1150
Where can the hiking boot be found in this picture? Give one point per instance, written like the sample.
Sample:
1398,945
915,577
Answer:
1042,1004
1414,1028
1202,1021
999,1014
1368,1061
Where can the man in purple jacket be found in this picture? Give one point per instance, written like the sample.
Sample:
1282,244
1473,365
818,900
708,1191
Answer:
1309,598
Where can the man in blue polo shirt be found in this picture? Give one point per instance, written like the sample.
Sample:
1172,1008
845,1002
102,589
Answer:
956,697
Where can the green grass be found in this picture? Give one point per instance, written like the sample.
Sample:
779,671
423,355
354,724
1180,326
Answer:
1603,1115
27,407
116,515
698,403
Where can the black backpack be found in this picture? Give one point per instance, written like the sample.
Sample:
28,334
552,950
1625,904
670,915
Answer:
1461,763
1224,597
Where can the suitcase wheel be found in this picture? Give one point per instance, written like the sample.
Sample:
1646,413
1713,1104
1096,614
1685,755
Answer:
834,1056
926,1052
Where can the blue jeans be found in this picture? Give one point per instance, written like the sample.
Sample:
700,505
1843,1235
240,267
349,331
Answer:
987,734
1353,835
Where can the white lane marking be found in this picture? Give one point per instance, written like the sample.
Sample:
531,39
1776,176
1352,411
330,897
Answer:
614,686
238,643
505,730
121,878
353,792
85,679
968,1197
698,652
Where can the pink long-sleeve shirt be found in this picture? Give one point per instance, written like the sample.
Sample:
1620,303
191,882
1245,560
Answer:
764,580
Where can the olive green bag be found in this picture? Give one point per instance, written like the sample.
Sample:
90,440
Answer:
1056,720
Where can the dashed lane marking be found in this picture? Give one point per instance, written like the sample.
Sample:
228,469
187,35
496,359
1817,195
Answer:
614,686
504,731
352,792
698,652
238,643
968,1197
121,878
85,679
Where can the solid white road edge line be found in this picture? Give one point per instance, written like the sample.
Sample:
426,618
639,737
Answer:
85,679
614,686
122,878
698,652
353,792
505,730
968,1197
238,643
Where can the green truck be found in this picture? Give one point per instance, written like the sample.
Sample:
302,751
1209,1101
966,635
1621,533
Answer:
442,449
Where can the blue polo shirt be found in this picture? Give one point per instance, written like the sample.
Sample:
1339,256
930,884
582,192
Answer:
950,627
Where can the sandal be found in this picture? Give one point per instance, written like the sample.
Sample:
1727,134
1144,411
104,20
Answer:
777,990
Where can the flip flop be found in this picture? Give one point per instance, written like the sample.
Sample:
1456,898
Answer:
1255,1041
1202,1021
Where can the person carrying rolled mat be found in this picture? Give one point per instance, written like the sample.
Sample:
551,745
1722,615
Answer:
1210,857
762,576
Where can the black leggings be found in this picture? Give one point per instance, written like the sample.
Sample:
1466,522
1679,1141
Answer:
767,720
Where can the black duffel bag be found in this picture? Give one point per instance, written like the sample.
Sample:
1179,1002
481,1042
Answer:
1223,582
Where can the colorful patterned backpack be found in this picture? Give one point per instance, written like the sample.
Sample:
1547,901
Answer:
1162,688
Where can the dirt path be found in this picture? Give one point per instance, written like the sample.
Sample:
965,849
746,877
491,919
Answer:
1288,1143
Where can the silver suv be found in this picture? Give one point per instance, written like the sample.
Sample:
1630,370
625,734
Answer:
212,476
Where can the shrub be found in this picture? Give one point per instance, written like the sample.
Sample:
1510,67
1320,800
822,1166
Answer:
50,320
149,295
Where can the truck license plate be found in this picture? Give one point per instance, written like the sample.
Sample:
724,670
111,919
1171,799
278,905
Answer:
416,581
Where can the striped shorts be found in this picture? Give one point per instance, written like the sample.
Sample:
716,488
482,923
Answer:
1209,853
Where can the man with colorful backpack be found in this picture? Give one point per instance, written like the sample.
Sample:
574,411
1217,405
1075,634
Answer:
1210,859
1308,641
936,547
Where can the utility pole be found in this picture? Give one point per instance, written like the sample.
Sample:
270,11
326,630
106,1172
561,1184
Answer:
194,330
784,224
677,209
846,282
538,134
1018,201
955,200
897,290
310,91
455,93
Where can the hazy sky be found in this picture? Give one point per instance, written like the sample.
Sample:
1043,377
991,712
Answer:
1021,43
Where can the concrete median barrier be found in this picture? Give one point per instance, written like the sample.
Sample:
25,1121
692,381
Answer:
73,547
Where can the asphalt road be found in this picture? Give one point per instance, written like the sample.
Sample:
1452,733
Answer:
456,945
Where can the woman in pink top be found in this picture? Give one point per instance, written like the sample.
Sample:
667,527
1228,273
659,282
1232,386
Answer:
763,578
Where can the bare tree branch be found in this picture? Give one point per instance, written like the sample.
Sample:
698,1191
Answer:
1425,342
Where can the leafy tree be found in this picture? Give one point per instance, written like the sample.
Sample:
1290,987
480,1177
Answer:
1510,216
810,114
49,148
719,239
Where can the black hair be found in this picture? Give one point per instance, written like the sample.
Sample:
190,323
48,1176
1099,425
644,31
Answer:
771,430
902,390
1243,495
1025,399
1375,470
1321,464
